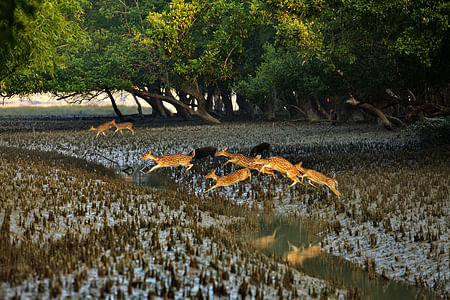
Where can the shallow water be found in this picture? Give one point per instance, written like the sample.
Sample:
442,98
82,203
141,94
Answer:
157,180
303,235
280,236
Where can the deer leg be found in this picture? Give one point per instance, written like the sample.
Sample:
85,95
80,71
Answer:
153,169
336,192
228,161
295,182
301,176
189,166
211,188
262,169
311,183
274,177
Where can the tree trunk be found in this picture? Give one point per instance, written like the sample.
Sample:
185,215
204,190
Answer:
200,112
114,105
158,109
201,105
226,97
372,110
268,111
139,107
321,109
311,112
209,100
181,110
244,107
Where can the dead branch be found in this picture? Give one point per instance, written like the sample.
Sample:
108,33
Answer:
298,109
372,110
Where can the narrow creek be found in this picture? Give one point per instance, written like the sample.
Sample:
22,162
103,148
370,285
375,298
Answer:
297,241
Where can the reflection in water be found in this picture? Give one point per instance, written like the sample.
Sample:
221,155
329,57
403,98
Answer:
296,256
281,241
265,242
154,180
280,235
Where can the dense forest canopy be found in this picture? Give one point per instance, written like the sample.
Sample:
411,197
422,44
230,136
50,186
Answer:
307,58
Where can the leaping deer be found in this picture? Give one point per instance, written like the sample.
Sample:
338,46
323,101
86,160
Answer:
279,164
170,160
230,179
243,161
319,178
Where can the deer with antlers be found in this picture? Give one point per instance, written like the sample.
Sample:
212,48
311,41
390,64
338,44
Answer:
230,179
170,160
102,128
319,178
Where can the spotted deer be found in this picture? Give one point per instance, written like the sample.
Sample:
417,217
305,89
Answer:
170,160
243,161
319,178
122,126
230,179
102,128
279,164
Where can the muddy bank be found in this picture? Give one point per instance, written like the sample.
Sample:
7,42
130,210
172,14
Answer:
392,218
69,231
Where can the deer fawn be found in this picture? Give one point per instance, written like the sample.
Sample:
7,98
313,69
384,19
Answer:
102,127
171,160
278,164
319,178
230,179
297,256
243,161
122,126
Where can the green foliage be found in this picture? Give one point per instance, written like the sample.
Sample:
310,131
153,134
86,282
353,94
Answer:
202,39
313,47
436,131
10,22
363,46
270,82
38,40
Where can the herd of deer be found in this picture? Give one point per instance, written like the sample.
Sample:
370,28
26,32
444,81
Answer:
262,165
119,127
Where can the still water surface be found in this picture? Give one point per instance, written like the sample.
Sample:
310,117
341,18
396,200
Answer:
297,241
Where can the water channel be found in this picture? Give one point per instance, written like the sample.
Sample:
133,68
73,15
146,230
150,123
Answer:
297,241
